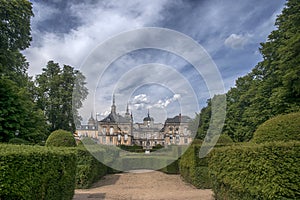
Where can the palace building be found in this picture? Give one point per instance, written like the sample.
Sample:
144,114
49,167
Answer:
116,129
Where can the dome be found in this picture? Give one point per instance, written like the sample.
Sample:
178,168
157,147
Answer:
148,118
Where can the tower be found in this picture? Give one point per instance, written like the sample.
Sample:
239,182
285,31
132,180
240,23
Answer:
127,114
113,107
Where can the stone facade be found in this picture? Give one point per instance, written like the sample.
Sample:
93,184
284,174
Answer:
121,130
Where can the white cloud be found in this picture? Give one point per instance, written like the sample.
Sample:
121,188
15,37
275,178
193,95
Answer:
141,98
98,22
140,101
164,103
209,22
236,41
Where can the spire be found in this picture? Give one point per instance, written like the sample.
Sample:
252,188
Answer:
148,113
91,120
127,109
113,107
114,101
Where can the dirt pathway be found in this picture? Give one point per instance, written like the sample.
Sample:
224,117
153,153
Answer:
143,185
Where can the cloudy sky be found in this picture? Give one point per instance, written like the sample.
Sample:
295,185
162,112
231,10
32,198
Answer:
75,33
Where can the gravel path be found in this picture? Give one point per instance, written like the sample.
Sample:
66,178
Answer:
144,185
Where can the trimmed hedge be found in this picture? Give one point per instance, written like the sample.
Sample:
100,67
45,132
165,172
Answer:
89,169
194,169
280,128
265,171
172,168
133,162
61,138
134,148
18,141
35,172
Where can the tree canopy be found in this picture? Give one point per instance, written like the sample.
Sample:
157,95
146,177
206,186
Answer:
26,109
273,85
55,95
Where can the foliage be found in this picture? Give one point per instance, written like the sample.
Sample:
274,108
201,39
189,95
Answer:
223,140
279,128
61,138
265,171
18,141
18,114
89,169
132,162
193,169
134,148
34,172
17,107
60,93
172,168
271,88
14,36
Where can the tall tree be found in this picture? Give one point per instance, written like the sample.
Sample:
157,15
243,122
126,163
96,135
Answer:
19,116
60,93
14,36
273,86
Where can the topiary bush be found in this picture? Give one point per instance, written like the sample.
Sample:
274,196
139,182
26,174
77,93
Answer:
35,172
256,171
280,128
61,138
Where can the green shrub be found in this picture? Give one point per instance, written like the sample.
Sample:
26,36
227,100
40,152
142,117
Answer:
18,141
172,168
61,138
35,172
280,128
224,140
194,169
89,169
265,171
132,162
134,148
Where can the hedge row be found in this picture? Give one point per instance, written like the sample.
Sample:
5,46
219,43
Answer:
89,169
265,171
163,163
34,172
193,169
280,128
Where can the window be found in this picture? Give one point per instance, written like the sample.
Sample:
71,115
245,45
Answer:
104,140
185,140
185,131
177,139
111,130
104,130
